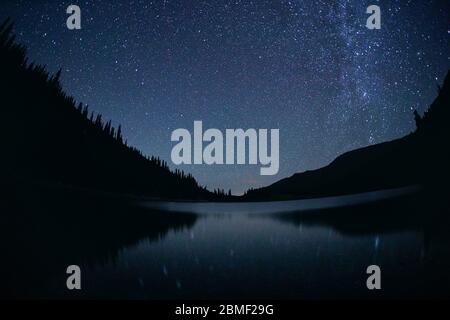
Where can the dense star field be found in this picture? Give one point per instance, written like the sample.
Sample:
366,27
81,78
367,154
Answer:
309,68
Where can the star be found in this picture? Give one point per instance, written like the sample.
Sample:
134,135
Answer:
309,68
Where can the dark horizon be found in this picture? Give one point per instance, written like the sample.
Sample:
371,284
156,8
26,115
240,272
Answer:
95,209
329,87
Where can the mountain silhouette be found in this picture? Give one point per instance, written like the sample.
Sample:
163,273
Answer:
420,158
52,139
49,138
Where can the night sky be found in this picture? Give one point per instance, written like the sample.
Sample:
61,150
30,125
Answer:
310,68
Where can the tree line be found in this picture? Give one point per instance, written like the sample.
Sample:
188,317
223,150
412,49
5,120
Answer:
51,137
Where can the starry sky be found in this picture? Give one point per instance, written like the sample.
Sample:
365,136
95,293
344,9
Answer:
309,68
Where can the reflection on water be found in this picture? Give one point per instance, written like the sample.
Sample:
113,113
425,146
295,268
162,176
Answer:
139,253
247,257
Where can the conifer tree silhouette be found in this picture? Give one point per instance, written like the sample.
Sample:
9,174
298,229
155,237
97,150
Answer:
54,138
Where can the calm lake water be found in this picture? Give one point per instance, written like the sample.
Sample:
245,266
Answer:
216,251
248,257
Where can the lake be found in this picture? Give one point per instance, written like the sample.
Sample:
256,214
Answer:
169,250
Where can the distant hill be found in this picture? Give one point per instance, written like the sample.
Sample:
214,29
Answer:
48,137
421,157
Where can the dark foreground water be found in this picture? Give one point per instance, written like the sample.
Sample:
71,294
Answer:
212,251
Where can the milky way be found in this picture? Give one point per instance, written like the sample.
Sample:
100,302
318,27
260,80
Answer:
310,68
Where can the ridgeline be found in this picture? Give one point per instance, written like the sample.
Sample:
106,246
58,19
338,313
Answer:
50,138
420,158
